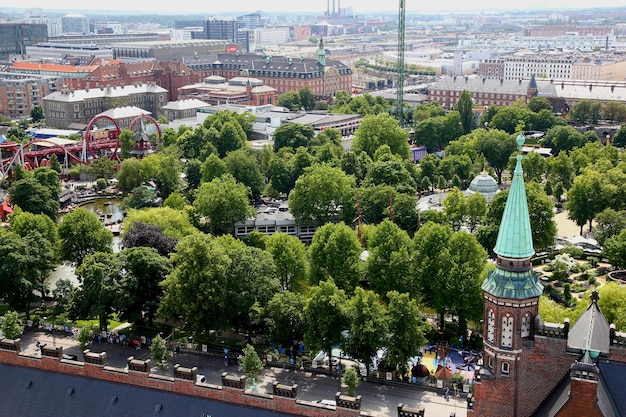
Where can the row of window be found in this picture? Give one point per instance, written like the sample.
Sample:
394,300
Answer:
507,329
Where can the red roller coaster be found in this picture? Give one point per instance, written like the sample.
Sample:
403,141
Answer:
95,143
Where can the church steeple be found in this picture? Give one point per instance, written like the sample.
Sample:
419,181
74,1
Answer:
321,54
513,276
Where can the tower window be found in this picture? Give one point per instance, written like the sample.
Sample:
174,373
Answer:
526,325
507,331
491,325
490,362
505,368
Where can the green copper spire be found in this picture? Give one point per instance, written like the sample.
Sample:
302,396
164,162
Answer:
515,238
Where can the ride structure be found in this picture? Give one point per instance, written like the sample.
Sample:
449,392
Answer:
96,142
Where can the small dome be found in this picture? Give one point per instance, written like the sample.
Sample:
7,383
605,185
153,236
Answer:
484,184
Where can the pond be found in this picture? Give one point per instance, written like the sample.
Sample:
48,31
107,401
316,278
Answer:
109,211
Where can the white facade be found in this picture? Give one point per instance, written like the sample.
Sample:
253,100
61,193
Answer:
270,36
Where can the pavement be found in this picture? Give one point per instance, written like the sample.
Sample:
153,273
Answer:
378,399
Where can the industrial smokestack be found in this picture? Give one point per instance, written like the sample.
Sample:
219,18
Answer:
338,7
334,13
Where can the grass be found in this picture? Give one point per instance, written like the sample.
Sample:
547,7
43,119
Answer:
95,323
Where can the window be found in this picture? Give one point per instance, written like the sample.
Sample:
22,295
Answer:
507,331
526,325
490,362
491,324
505,368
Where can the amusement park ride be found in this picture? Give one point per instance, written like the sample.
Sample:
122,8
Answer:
95,143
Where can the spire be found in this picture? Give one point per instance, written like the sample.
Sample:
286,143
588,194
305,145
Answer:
515,238
321,53
513,276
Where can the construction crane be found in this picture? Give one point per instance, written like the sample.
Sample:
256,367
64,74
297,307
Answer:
400,86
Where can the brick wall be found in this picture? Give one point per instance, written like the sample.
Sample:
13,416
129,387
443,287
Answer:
538,371
180,386
582,400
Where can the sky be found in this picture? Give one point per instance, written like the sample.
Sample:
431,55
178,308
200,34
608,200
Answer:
213,7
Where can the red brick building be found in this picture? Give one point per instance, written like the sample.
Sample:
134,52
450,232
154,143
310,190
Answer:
532,368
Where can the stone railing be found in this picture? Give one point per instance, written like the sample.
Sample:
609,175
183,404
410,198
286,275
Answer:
95,358
52,352
406,411
233,381
552,329
8,344
345,401
138,365
288,391
189,374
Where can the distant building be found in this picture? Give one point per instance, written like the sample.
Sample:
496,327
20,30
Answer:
168,50
249,21
183,109
58,52
323,76
15,37
75,23
562,93
77,107
216,90
20,92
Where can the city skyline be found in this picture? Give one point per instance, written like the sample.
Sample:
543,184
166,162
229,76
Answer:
314,6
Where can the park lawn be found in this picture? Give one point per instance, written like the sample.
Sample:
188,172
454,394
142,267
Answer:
112,324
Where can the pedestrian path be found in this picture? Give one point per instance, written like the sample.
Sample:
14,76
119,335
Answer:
378,399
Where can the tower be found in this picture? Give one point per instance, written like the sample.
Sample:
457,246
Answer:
511,294
531,90
321,54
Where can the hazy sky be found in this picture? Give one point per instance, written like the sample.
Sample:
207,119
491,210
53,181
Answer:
212,7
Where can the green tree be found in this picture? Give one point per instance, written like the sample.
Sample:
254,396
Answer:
292,135
251,365
223,202
614,111
173,223
390,170
11,327
609,223
322,194
196,290
284,317
175,201
102,168
367,326
455,208
290,100
563,138
389,260
31,195
140,286
561,170
128,176
585,199
100,274
615,250
351,380
139,198
536,104
613,304
381,129
165,169
497,146
476,211
36,113
465,107
290,258
325,317
406,330
84,337
81,234
586,111
335,253
232,137
159,351
244,166
510,118
307,98
24,223
535,167
193,173
213,167
428,132
54,164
